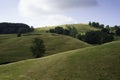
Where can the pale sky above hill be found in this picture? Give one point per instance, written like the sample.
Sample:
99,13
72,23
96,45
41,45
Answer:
54,12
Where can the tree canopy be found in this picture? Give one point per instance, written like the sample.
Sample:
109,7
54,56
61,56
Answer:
12,28
38,48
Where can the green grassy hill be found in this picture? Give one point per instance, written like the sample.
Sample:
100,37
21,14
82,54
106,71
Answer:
82,28
13,48
92,63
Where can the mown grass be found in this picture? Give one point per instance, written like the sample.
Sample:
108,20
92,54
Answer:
93,63
13,48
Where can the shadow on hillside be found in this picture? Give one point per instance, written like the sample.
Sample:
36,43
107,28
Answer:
5,63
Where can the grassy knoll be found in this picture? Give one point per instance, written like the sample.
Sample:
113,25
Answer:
92,63
13,48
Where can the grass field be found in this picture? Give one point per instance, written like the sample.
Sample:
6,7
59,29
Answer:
82,28
66,58
92,63
13,48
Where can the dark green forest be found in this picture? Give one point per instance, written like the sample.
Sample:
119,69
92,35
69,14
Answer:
12,28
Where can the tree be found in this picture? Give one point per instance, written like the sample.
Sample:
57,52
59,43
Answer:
105,30
73,31
98,37
106,38
107,27
90,24
80,37
59,30
38,48
102,26
97,25
92,37
19,33
52,30
116,27
66,32
118,32
93,24
32,28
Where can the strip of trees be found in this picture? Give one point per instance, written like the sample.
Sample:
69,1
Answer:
69,30
115,30
96,24
96,37
14,28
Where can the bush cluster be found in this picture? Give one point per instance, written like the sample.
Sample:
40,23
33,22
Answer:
96,37
70,31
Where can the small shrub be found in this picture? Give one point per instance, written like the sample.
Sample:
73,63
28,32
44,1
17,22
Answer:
19,35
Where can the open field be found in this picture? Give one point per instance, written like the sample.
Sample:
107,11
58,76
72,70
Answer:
92,63
13,48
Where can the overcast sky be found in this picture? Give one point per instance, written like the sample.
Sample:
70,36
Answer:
54,12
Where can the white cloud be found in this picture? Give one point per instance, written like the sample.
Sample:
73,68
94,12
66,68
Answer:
52,10
58,19
43,7
51,20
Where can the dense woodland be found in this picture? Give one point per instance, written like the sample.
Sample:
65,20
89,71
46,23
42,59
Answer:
12,28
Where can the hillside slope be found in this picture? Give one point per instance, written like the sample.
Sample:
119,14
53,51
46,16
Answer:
82,28
93,63
14,48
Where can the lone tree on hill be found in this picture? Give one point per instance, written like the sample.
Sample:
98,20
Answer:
38,48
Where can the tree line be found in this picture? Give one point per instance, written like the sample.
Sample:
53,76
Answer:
96,37
96,24
13,28
69,30
93,37
114,30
